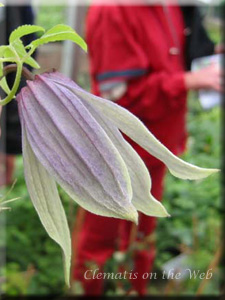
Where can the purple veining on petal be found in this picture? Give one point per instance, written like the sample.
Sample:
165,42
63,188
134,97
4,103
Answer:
91,129
55,162
38,114
98,141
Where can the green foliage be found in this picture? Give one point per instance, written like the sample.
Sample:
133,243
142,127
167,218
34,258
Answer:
17,53
59,33
215,33
22,54
28,245
22,31
4,85
195,206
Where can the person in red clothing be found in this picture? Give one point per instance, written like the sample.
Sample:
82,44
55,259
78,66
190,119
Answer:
139,58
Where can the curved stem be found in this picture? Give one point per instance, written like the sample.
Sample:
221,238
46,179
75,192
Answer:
10,96
29,53
20,70
13,68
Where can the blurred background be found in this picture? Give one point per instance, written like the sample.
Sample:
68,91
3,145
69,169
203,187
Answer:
191,238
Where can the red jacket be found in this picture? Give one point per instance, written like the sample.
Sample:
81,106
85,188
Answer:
132,44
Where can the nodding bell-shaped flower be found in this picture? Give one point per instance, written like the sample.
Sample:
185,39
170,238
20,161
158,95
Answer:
73,138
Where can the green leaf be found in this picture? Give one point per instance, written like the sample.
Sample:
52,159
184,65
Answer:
2,50
60,33
24,30
1,5
21,51
45,198
32,62
4,86
8,53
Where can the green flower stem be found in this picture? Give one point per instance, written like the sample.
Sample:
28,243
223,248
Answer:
19,69
30,52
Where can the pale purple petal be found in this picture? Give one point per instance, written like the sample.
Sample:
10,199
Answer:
140,179
75,150
45,198
136,130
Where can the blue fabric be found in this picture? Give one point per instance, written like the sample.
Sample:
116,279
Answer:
124,73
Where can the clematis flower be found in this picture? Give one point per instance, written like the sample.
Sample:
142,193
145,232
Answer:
73,138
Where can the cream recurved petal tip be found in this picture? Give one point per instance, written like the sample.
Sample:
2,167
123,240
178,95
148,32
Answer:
73,138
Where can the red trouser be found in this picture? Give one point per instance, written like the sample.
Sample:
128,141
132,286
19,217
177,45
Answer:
100,236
